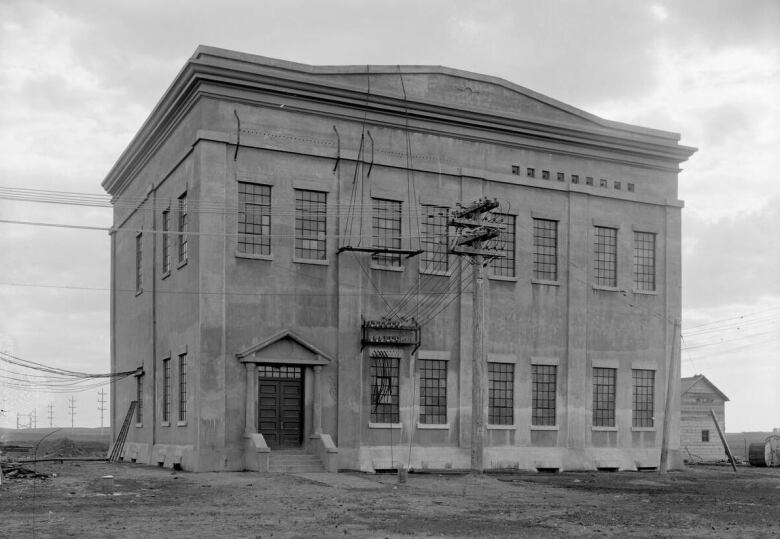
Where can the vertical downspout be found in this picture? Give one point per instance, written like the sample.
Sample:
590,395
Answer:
154,318
112,237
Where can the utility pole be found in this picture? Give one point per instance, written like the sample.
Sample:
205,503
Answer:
101,406
474,230
34,418
51,414
72,411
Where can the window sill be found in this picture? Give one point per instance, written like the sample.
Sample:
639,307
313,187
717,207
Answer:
181,423
181,264
251,256
606,288
501,427
165,423
447,273
384,425
502,278
643,429
545,282
313,261
165,275
386,268
646,292
139,425
545,427
433,426
603,429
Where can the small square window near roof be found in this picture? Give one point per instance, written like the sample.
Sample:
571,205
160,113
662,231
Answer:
530,172
575,178
631,187
560,176
588,180
602,182
515,170
618,185
545,174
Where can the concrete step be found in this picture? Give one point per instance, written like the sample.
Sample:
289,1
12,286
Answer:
294,462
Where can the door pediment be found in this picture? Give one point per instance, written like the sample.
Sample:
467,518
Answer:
284,347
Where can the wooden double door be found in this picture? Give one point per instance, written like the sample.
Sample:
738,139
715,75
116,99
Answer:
280,405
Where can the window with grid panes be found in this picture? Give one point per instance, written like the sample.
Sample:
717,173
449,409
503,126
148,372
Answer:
139,399
434,238
310,222
543,394
546,249
433,391
166,241
644,261
139,274
254,218
604,397
183,387
386,227
505,266
644,397
384,389
166,400
280,371
605,256
501,391
183,225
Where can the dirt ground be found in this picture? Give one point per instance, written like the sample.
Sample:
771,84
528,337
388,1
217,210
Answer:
156,502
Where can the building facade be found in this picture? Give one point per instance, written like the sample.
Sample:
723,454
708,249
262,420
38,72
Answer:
699,437
282,272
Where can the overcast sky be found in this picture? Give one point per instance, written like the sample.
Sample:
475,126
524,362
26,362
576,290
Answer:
78,78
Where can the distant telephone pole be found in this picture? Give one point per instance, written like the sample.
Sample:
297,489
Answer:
51,414
474,230
101,406
72,410
34,418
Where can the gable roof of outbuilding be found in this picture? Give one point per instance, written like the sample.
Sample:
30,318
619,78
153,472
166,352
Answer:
686,384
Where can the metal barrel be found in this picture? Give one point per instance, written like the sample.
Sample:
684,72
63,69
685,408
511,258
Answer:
757,454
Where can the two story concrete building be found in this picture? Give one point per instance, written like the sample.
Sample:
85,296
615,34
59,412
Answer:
282,274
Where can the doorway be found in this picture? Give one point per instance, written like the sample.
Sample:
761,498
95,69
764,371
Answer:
280,405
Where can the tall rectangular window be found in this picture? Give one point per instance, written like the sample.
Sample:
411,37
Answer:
545,249
384,389
183,225
604,397
166,241
543,394
139,274
434,238
166,400
644,261
254,218
139,399
386,227
183,387
433,391
501,390
605,263
310,222
505,266
644,397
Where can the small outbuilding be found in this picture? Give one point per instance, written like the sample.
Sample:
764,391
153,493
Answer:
698,435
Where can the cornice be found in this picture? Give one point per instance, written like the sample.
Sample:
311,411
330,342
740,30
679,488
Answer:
250,78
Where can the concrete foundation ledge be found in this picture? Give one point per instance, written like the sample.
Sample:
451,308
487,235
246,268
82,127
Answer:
174,456
136,452
256,452
322,445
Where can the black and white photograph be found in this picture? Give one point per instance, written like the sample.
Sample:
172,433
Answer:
389,268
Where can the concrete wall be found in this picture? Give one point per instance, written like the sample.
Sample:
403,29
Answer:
222,302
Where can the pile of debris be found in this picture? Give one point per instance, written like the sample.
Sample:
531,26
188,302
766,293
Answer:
14,470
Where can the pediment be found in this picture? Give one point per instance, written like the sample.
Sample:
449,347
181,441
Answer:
462,90
284,347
